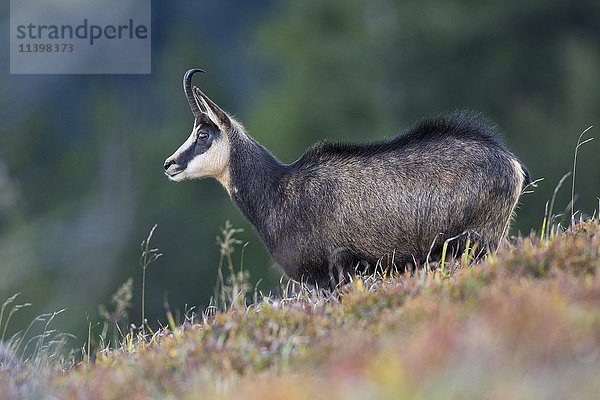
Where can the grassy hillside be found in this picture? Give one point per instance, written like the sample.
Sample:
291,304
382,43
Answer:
522,324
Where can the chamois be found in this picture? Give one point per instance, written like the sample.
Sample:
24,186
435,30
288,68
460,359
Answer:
343,207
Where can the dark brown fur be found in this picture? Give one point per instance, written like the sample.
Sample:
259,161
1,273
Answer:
396,201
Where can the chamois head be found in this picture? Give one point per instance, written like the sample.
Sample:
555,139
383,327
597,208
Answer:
205,153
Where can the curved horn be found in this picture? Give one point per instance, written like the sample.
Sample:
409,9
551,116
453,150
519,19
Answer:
187,88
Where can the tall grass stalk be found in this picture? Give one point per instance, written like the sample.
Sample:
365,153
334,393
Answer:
445,250
148,256
48,344
579,144
551,209
9,301
465,256
234,288
544,222
47,333
443,261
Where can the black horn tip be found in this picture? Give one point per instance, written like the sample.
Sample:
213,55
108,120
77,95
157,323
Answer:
188,74
187,88
194,70
187,77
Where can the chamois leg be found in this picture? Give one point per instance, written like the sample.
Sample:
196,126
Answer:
342,264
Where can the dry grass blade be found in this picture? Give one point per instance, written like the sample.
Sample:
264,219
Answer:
148,256
579,144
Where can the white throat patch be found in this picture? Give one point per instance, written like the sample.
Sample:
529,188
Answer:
213,163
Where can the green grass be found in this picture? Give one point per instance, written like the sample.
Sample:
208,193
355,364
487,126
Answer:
524,323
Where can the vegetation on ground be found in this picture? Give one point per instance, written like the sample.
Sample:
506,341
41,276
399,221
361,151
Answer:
524,323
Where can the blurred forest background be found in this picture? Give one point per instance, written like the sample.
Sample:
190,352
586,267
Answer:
81,180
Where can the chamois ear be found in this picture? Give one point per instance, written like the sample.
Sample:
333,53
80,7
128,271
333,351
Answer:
215,112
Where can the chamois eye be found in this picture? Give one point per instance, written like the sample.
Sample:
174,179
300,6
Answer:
203,136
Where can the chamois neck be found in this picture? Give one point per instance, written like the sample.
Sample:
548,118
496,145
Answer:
255,175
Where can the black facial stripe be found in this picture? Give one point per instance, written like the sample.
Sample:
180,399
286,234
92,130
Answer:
198,147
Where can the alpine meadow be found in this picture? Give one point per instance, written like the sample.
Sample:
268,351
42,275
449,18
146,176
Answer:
405,203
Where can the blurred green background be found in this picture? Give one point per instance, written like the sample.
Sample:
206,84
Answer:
81,179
